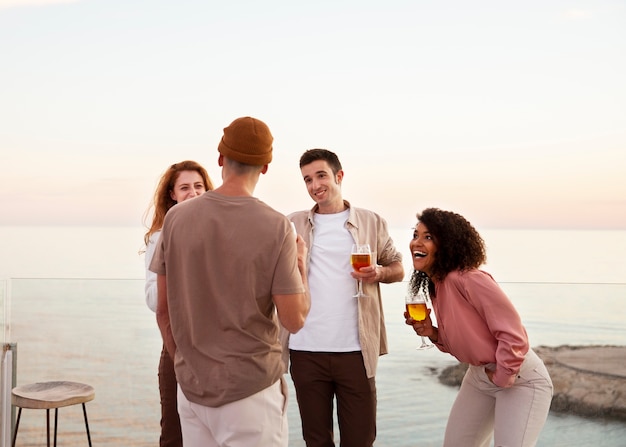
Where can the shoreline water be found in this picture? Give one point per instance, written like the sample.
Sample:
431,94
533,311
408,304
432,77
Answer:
99,330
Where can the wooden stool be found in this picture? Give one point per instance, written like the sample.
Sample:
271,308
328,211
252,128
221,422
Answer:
51,395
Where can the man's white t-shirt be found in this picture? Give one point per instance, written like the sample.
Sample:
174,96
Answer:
332,323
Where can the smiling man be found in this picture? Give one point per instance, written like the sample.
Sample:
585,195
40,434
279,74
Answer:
335,354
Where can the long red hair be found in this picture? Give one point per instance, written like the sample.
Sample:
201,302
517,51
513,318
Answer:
163,201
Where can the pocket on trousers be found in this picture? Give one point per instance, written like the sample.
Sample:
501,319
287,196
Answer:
285,392
534,375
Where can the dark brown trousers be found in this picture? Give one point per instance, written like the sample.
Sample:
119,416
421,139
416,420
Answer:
321,377
171,435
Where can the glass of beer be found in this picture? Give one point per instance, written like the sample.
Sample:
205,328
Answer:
361,256
416,308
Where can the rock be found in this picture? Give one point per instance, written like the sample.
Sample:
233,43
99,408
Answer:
453,375
588,381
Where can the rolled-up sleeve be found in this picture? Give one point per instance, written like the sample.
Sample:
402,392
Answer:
151,277
478,324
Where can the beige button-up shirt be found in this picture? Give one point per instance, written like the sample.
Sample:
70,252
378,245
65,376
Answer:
366,227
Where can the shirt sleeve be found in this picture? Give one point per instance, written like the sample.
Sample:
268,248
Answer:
151,277
287,278
388,252
502,321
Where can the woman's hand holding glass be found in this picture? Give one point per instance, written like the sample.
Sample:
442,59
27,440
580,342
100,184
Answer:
423,327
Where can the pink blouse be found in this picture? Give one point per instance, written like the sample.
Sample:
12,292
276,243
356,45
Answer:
478,324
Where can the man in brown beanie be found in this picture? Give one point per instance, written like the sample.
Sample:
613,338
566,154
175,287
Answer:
227,265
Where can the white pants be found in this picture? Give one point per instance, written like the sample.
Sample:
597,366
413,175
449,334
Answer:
514,416
259,420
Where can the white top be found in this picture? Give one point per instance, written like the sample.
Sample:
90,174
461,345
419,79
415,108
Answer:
151,277
332,323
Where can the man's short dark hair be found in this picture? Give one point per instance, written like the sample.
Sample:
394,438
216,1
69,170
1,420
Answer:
321,154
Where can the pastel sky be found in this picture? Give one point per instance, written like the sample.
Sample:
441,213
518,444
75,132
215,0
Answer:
511,113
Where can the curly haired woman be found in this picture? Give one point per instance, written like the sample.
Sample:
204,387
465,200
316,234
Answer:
506,392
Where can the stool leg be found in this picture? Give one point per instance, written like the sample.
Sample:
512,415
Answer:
86,424
48,425
17,425
56,418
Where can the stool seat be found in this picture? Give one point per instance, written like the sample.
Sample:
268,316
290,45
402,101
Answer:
45,395
48,395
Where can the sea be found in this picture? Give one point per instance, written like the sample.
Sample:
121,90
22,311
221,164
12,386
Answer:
72,305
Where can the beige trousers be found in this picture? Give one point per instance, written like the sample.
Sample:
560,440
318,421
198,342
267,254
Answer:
259,420
513,416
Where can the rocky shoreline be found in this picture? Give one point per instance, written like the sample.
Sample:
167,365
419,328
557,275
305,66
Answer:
589,381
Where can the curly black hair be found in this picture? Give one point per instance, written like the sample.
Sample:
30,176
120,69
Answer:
459,246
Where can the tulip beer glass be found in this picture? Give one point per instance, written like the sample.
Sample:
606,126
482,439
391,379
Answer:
361,256
416,308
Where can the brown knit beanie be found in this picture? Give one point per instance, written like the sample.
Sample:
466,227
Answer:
247,140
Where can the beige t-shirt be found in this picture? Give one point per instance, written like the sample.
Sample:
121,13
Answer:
224,258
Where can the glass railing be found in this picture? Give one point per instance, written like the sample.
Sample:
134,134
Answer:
5,308
7,368
100,332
